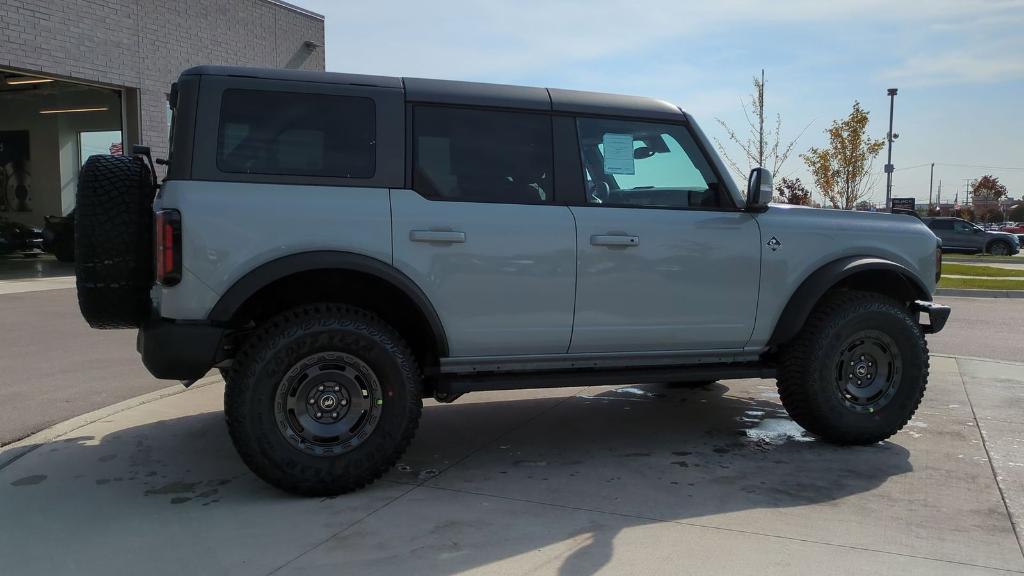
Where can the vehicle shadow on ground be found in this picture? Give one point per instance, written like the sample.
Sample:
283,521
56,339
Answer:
647,452
644,454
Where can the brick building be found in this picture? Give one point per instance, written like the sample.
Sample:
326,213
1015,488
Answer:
79,77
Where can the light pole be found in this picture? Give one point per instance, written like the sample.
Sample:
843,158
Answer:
888,165
931,179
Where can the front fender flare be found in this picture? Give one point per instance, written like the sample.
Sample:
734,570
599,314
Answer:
810,291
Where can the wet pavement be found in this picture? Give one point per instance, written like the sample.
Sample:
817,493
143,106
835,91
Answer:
639,479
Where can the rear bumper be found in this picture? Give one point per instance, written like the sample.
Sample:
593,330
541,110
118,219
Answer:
937,315
179,351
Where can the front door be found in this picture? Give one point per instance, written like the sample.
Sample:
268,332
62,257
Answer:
967,235
480,233
666,261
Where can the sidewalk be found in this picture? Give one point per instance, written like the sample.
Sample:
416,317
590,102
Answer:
639,479
36,284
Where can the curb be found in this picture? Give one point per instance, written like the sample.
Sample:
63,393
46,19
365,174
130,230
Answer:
9,453
970,293
983,261
977,359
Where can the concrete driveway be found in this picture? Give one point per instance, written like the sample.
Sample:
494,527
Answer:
638,479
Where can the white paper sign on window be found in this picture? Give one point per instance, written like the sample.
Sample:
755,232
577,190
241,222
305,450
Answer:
618,154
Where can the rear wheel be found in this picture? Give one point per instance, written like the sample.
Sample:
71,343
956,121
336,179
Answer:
322,399
857,372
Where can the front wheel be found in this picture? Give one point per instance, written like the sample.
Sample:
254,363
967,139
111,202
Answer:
999,248
322,399
857,372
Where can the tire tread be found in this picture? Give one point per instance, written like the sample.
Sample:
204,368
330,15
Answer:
113,246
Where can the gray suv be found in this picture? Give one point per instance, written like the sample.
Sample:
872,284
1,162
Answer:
341,246
959,235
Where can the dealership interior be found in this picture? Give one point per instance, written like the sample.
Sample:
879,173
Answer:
48,128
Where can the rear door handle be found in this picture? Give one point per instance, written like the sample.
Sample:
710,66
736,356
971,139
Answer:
437,236
614,240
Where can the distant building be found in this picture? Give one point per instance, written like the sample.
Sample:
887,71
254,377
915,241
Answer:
83,77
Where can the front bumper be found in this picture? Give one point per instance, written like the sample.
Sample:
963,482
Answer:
937,315
179,350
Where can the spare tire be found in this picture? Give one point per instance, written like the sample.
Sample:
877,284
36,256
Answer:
114,241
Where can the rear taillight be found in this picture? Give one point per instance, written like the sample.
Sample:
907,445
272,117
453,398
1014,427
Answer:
938,263
168,247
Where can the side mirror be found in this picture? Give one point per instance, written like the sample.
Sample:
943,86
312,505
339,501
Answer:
759,189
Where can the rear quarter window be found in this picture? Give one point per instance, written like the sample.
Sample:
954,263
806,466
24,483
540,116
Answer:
294,133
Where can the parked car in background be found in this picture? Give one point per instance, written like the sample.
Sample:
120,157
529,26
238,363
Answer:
16,237
959,235
59,236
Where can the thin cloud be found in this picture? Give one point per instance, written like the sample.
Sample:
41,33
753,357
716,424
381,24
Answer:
471,39
961,67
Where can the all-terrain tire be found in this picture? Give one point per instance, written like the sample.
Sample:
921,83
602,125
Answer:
113,246
263,436
811,379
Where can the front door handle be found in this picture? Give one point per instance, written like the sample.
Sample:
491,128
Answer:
614,240
437,236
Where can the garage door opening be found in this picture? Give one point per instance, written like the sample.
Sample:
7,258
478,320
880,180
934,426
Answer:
48,128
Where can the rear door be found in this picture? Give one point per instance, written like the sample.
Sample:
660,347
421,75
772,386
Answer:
480,232
944,230
666,260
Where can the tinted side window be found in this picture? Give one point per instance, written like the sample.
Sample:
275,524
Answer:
630,163
482,155
961,226
263,132
940,224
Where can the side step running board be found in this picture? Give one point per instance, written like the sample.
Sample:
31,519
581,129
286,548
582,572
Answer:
456,384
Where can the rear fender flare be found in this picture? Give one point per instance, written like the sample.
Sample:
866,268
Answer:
267,273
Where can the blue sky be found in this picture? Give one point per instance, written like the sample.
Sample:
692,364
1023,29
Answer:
959,65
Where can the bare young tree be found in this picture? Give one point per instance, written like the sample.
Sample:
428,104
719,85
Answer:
761,147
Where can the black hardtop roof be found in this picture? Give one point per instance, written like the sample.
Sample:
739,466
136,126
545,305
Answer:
470,93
